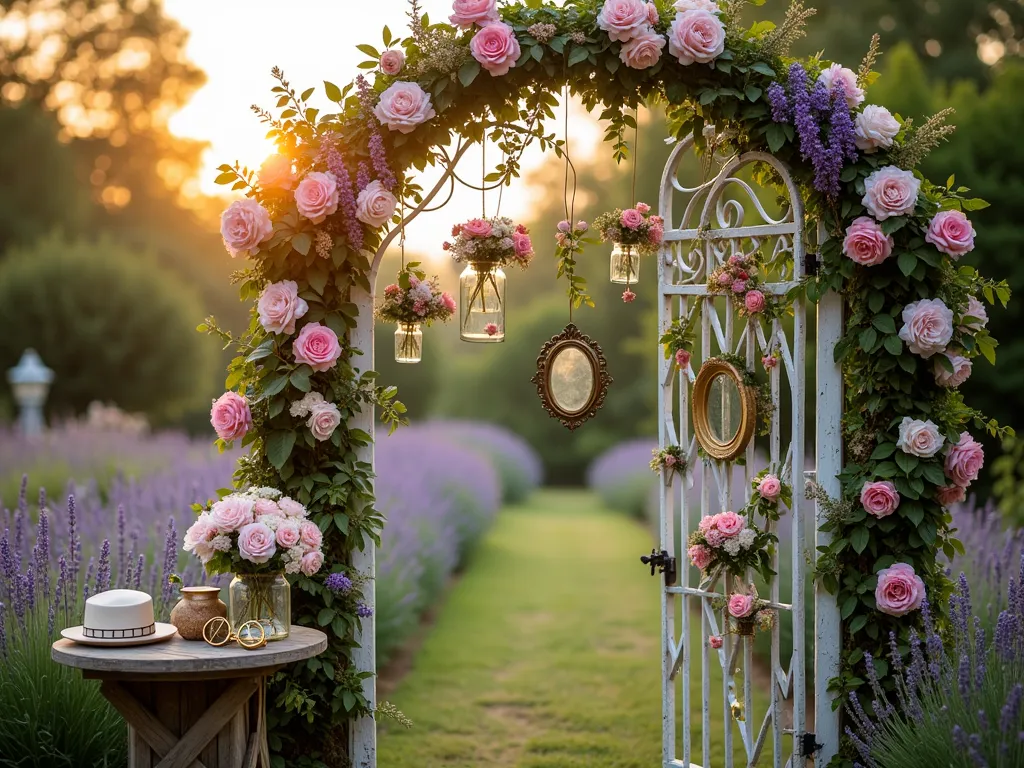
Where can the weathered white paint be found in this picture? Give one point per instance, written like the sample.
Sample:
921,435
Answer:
710,230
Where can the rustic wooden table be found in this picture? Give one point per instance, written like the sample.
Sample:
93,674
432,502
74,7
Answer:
188,704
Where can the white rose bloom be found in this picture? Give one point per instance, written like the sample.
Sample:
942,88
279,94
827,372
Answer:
919,438
875,128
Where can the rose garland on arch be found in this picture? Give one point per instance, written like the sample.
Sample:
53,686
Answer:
914,324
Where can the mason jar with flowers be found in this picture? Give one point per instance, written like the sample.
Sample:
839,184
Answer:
633,232
258,535
486,246
410,302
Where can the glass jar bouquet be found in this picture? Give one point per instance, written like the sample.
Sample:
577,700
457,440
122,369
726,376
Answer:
259,536
410,302
633,232
487,245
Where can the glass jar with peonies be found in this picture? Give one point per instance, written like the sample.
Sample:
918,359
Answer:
259,535
411,301
633,232
408,343
487,245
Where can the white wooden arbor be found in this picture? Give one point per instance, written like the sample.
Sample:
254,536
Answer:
711,227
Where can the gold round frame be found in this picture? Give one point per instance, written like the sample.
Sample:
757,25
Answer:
714,447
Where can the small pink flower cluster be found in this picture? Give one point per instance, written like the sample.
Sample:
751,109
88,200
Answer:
745,607
256,528
422,302
491,241
635,226
719,538
738,278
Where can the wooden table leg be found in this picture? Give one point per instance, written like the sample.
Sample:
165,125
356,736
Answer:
229,705
144,723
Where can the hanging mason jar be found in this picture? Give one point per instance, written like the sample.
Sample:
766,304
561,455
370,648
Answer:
625,263
408,343
482,305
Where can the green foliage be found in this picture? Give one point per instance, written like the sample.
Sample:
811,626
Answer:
112,325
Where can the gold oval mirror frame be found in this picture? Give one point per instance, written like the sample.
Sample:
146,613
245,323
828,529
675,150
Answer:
572,377
724,410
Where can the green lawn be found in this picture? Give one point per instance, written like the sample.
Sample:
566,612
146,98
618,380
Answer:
546,652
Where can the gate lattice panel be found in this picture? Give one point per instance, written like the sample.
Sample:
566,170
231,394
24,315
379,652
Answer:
712,227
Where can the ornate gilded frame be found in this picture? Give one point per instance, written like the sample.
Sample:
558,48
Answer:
715,448
571,336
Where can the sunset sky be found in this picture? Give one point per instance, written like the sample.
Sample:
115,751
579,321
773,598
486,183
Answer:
237,43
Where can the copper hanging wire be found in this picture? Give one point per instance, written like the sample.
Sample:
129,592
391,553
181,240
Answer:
632,189
401,234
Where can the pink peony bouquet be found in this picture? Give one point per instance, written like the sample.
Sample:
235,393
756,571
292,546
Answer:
729,542
635,226
415,299
255,531
493,242
747,613
739,279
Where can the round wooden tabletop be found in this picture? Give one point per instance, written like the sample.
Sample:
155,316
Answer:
189,657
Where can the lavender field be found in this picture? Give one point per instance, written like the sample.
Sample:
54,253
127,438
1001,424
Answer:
112,511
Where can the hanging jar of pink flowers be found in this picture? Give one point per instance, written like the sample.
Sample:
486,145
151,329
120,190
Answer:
410,302
486,246
633,232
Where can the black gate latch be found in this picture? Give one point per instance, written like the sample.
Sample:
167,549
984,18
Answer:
663,563
809,745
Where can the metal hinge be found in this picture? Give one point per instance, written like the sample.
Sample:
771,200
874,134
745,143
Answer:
812,264
809,745
663,562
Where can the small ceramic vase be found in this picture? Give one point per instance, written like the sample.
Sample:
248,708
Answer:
197,606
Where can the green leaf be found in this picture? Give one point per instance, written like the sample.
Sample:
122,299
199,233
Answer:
468,72
762,68
274,385
858,623
883,451
300,378
974,205
325,617
333,92
306,94
849,604
867,339
884,323
369,50
894,345
302,242
225,178
578,54
906,462
279,446
752,92
776,137
859,539
908,262
893,224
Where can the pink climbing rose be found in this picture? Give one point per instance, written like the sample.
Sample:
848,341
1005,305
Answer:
964,460
466,13
741,606
404,106
890,191
280,306
644,50
495,47
730,524
231,514
769,488
392,61
316,197
623,19
230,416
700,556
696,37
927,326
952,233
317,346
754,301
244,225
879,498
950,494
276,171
899,590
961,366
838,75
865,243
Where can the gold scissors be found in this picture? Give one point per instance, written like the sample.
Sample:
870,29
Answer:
251,635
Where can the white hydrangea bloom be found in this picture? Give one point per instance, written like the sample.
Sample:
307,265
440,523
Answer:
746,537
301,408
732,546
221,543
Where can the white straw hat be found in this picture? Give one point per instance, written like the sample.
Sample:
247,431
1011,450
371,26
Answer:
119,617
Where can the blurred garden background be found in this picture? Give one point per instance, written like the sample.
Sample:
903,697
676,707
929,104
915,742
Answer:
110,256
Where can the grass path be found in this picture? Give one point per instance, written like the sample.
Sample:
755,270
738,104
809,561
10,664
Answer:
546,653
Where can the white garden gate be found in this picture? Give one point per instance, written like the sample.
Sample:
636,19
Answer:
712,226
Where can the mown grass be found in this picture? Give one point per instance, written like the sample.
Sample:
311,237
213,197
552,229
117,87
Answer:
546,653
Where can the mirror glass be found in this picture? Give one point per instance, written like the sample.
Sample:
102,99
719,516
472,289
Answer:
571,379
724,408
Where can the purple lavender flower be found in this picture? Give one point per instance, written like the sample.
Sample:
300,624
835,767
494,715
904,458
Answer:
338,582
3,631
29,582
7,568
89,571
41,551
138,572
74,549
103,571
19,538
782,111
378,155
959,738
979,653
963,677
170,559
121,525
362,177
346,197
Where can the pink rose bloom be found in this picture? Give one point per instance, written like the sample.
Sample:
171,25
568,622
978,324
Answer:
477,228
232,514
964,460
655,235
927,326
962,367
316,197
890,191
628,296
256,543
392,61
899,591
403,106
865,243
375,205
714,537
198,538
652,14
715,641
837,75
287,534
523,244
324,418
919,438
879,498
739,286
950,494
310,535
466,13
230,416
491,329
276,171
741,606
291,508
317,346
976,310
448,301
706,523
681,6
730,524
769,488
696,37
952,233
311,562
496,48
769,362
265,507
670,460
631,218
623,19
644,50
699,556
280,306
754,302
243,226
682,358
874,129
